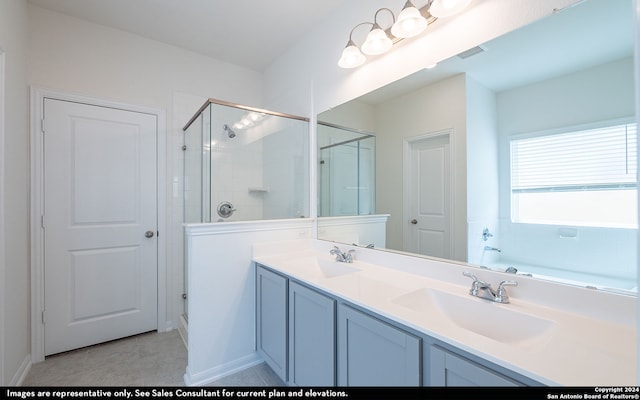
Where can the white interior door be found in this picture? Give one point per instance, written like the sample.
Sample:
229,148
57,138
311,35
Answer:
429,224
100,224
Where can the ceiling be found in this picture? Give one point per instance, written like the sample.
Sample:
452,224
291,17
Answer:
249,33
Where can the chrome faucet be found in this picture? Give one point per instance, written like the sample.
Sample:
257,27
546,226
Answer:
484,291
342,256
489,248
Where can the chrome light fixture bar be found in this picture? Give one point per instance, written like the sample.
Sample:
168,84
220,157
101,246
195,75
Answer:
411,22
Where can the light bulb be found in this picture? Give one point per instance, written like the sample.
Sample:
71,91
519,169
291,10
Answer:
351,56
410,22
377,42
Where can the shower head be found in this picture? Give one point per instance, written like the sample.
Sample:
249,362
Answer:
229,131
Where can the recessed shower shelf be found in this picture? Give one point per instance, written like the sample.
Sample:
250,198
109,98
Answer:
258,190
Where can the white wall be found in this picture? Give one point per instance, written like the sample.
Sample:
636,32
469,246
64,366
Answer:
482,172
14,262
354,114
222,329
70,55
602,93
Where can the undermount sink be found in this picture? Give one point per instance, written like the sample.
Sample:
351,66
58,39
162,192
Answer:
324,268
494,321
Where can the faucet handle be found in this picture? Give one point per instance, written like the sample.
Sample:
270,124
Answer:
507,283
470,275
476,284
501,294
349,256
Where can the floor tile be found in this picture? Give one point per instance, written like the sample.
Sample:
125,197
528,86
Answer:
148,359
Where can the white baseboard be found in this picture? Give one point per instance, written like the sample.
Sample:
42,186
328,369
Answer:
183,329
22,372
212,374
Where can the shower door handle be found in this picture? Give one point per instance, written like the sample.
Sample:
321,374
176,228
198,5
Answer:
148,234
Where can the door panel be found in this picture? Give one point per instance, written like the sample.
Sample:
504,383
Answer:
100,199
430,223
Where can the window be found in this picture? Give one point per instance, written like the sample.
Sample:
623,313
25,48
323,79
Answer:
583,178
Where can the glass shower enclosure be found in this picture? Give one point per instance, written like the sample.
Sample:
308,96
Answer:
244,164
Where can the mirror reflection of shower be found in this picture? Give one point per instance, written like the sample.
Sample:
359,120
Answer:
347,171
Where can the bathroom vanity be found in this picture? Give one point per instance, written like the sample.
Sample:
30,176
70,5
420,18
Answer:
323,323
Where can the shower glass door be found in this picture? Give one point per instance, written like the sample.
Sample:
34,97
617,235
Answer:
244,164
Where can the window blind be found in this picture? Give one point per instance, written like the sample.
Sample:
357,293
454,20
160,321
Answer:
594,159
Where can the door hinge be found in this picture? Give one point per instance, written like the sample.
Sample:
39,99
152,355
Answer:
44,317
42,221
42,125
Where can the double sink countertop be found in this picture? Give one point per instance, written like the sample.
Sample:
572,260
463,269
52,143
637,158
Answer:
556,346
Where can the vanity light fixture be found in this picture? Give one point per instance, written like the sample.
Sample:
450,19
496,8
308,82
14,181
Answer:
410,22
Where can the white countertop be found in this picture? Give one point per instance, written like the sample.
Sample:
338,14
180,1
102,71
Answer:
574,349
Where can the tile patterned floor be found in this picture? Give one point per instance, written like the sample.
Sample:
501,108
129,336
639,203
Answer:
149,359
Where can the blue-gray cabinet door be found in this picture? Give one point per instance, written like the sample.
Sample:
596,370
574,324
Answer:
271,320
449,369
374,353
312,341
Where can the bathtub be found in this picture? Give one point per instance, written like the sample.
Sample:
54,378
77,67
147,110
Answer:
615,284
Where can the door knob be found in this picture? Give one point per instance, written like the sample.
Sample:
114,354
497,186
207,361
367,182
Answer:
414,221
148,234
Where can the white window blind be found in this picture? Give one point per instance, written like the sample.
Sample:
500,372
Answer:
580,178
594,159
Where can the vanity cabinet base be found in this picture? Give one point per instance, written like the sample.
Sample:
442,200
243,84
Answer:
449,369
312,341
374,353
312,338
271,320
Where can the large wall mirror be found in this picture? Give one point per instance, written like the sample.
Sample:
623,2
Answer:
518,155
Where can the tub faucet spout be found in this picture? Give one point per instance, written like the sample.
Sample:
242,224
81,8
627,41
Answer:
489,248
